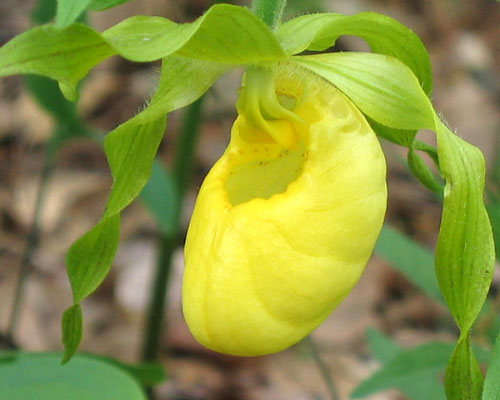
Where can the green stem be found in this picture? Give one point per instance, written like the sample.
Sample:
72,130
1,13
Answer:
323,369
186,142
32,241
269,11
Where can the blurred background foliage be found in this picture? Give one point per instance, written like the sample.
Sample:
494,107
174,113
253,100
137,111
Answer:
390,339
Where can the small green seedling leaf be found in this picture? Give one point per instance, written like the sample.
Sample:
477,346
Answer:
384,35
68,11
41,377
491,389
414,261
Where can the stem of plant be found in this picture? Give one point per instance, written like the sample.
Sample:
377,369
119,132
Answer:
169,241
269,11
32,241
323,369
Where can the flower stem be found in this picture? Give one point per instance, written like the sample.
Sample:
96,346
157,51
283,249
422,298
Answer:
168,242
269,11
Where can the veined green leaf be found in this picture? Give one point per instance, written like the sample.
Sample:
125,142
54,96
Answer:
382,87
225,34
464,379
465,250
414,261
65,55
40,376
100,5
491,389
68,11
384,35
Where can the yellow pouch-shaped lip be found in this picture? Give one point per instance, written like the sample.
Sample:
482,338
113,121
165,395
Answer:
278,236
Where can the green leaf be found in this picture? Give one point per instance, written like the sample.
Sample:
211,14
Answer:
43,11
100,5
65,55
225,34
160,197
68,11
381,86
493,208
41,377
384,35
414,372
130,150
147,374
414,261
89,258
72,330
381,346
465,250
491,389
464,379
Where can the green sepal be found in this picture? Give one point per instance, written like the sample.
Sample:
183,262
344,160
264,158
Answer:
62,54
72,331
225,34
383,34
382,87
182,82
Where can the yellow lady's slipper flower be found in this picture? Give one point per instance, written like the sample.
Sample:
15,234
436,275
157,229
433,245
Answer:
285,221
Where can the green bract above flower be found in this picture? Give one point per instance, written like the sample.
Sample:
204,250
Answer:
273,246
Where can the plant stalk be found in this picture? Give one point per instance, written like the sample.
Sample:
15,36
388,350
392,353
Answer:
32,241
168,242
323,369
269,11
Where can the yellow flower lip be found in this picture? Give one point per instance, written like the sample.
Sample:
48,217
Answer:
280,235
